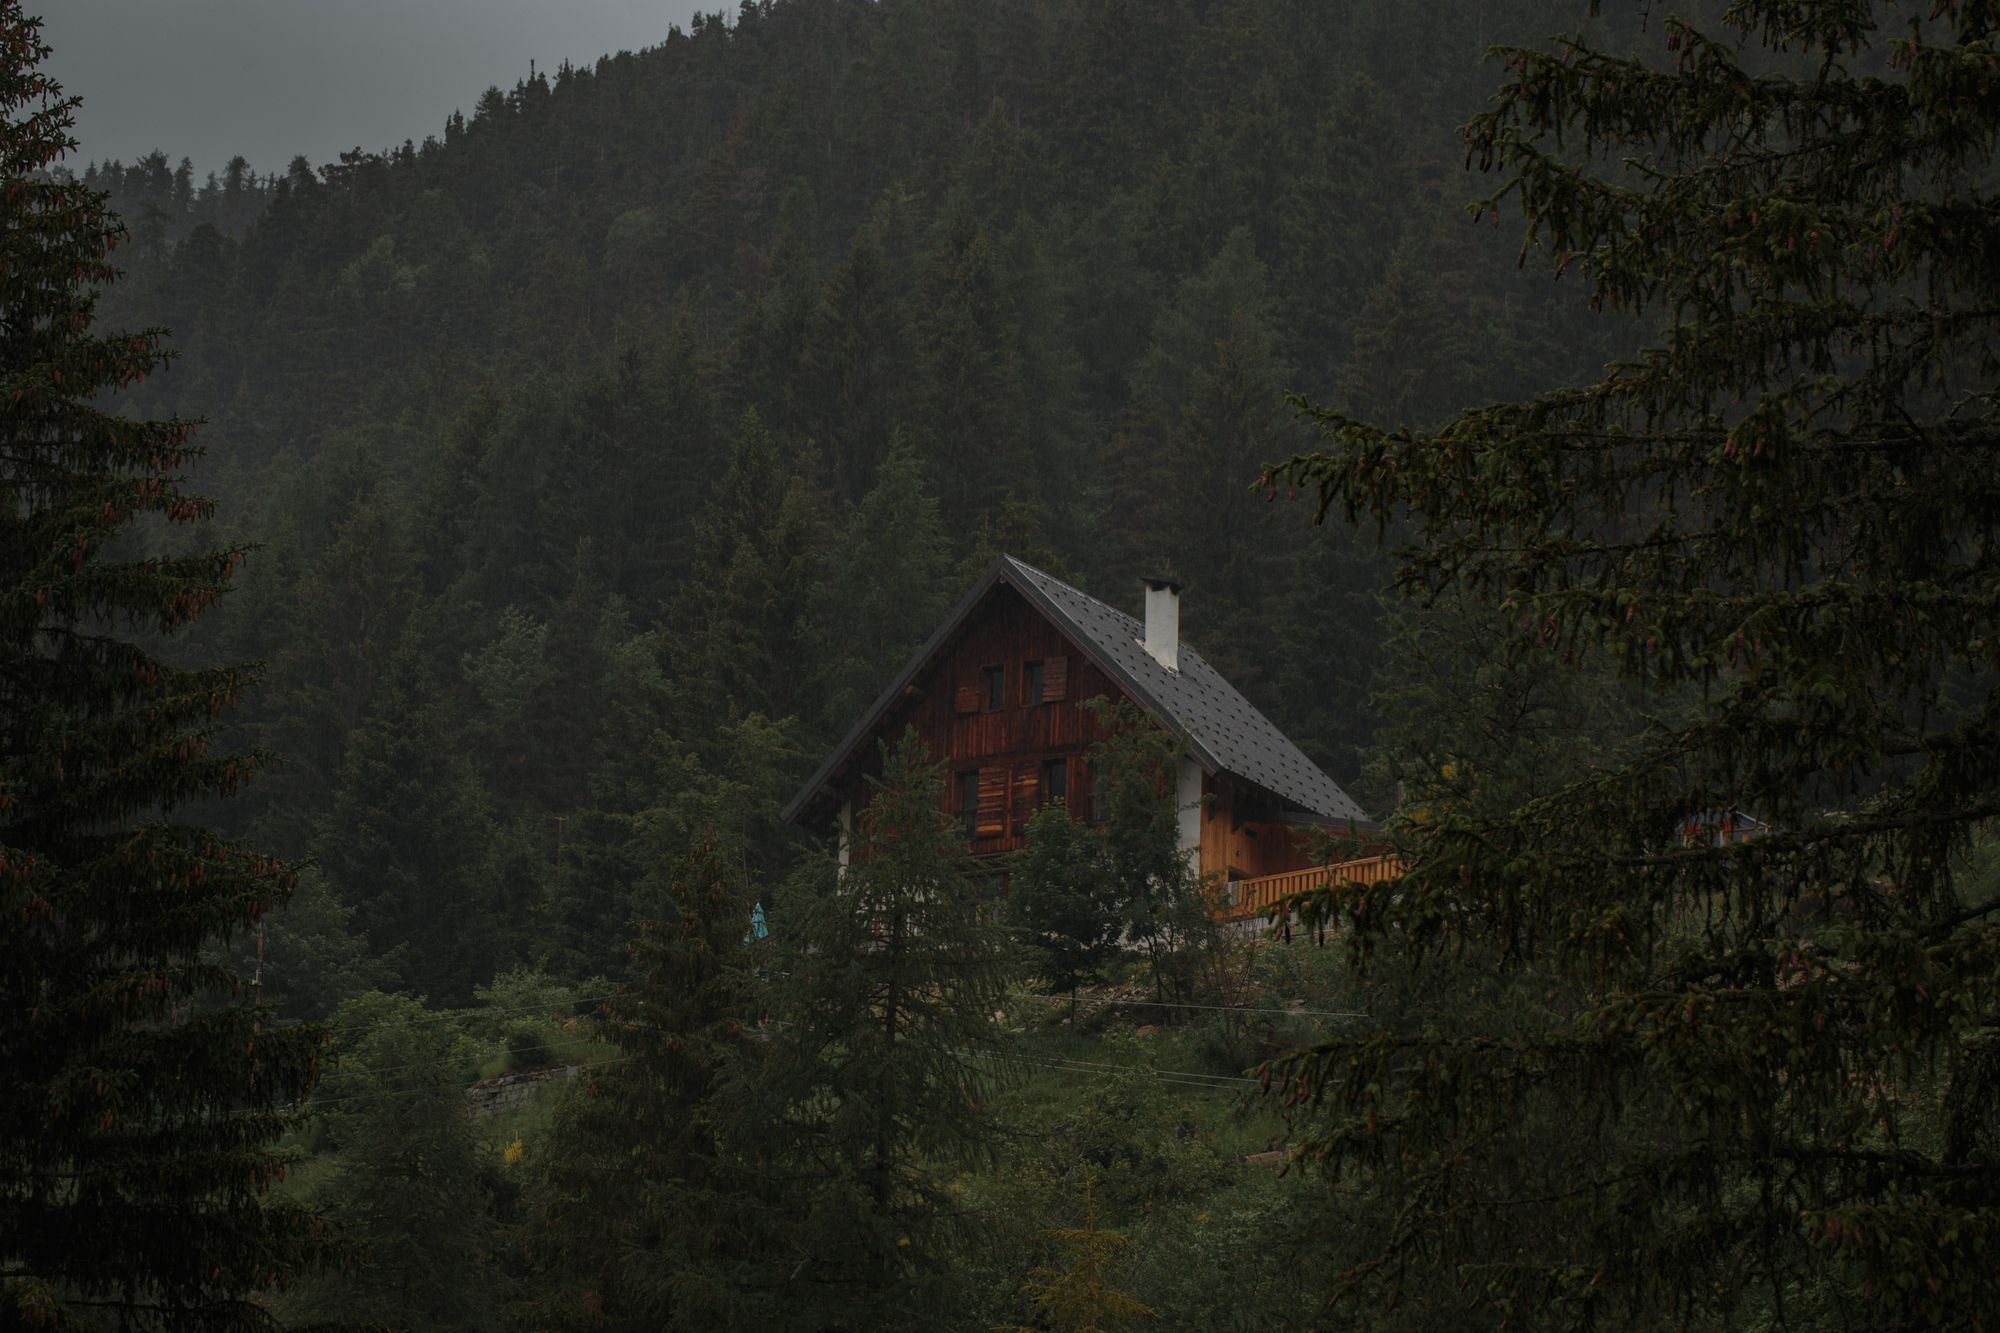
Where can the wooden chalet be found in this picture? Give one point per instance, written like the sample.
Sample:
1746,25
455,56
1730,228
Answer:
998,694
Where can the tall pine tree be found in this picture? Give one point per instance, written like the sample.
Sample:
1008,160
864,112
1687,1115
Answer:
1772,1056
639,1217
143,1090
408,1186
883,1053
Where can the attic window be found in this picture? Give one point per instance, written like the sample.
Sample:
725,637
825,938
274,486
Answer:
1031,684
996,688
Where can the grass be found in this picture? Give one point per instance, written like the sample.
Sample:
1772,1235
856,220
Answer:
1147,1114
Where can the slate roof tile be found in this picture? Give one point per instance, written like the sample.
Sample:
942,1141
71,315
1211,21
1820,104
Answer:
1195,701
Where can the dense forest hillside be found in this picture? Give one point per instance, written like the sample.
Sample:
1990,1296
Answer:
628,433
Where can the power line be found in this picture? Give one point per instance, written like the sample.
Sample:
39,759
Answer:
1186,1077
1190,1077
1218,1008
1182,1077
1179,1073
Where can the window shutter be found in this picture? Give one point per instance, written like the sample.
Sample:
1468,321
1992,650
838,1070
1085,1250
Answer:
967,700
1055,678
992,803
1027,792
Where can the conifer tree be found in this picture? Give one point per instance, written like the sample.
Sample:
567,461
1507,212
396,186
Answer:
143,1091
757,584
1165,905
883,1052
887,585
1212,378
1771,1062
408,843
966,373
1326,640
408,1190
1083,1296
857,359
640,1217
1061,892
343,620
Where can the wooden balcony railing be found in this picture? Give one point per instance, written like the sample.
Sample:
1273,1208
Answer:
1248,898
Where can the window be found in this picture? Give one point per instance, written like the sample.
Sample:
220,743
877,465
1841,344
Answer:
968,800
1055,781
996,688
1100,794
1031,685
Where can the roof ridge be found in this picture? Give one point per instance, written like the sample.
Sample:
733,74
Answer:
1027,568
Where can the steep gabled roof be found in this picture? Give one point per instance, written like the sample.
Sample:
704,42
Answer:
1223,731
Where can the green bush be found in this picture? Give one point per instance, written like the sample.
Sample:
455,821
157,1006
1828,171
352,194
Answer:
1143,1144
530,1014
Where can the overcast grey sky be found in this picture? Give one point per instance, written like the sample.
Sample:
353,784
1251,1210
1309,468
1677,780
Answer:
208,79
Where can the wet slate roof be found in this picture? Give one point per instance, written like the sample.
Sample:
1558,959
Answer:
1221,728
1224,729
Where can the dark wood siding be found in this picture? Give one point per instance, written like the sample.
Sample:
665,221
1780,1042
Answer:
1009,745
1001,755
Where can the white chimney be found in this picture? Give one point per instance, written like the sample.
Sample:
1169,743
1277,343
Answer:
1163,622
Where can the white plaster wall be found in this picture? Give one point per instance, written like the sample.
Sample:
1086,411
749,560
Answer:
1187,797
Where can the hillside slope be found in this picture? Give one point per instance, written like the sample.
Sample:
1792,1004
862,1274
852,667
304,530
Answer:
659,402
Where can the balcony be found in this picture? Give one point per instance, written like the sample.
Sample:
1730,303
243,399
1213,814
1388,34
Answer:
1248,899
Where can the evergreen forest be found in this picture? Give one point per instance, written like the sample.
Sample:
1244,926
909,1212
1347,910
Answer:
428,575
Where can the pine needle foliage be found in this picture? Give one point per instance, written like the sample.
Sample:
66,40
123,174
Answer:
1063,899
409,1188
1082,1295
639,1218
1168,908
1761,1091
143,1090
884,1051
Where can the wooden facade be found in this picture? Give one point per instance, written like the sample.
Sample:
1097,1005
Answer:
1001,703
1003,751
